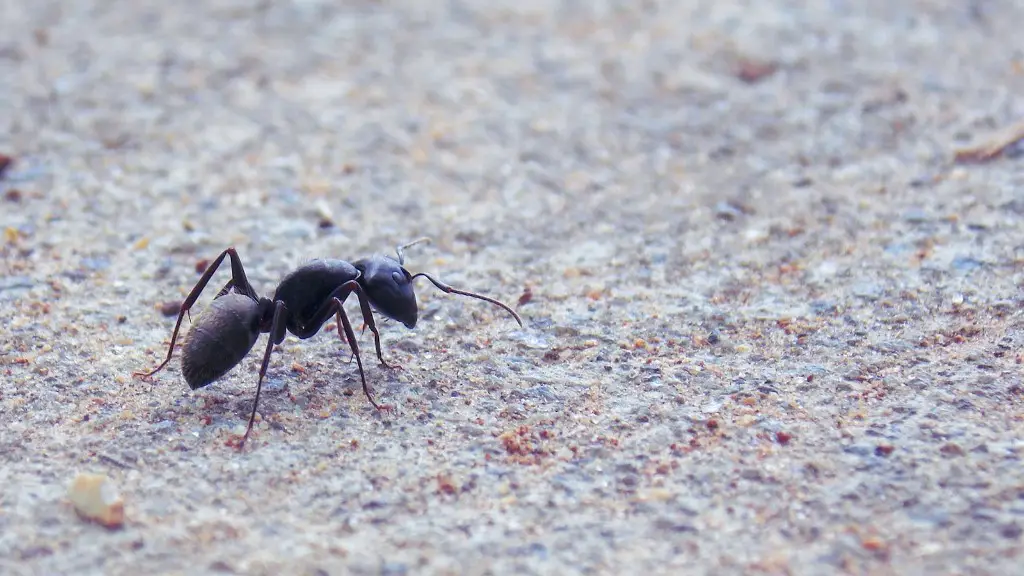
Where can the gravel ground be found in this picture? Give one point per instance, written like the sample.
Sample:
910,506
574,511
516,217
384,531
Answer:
774,327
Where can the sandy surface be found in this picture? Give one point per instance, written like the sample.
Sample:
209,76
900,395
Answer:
774,328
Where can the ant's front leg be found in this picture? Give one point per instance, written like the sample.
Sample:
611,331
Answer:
341,293
368,322
334,306
350,334
238,280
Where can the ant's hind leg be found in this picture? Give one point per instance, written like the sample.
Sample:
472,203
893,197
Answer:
238,280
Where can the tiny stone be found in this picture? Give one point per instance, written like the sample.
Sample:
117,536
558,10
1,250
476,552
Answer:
170,308
728,212
952,449
96,498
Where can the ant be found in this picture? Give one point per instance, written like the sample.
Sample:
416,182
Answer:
305,299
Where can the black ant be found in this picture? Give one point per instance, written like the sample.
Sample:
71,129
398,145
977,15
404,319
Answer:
304,300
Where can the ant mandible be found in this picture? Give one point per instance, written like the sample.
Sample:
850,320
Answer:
304,300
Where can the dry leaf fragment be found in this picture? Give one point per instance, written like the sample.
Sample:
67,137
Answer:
988,151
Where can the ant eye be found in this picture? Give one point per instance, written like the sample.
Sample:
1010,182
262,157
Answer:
398,278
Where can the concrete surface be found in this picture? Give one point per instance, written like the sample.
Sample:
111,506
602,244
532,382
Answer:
773,327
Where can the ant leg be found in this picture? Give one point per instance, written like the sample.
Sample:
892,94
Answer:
277,334
227,287
337,321
341,333
364,306
313,324
355,351
238,280
449,290
334,306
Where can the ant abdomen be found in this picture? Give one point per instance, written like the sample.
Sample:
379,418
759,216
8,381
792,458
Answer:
219,338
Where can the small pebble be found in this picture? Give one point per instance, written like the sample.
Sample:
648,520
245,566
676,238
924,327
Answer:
96,498
170,308
752,71
728,212
325,218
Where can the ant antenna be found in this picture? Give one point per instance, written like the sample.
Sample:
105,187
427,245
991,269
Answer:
401,249
449,290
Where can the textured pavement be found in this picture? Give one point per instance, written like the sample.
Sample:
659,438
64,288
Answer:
772,326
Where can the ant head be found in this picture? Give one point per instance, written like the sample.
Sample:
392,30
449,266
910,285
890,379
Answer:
388,286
